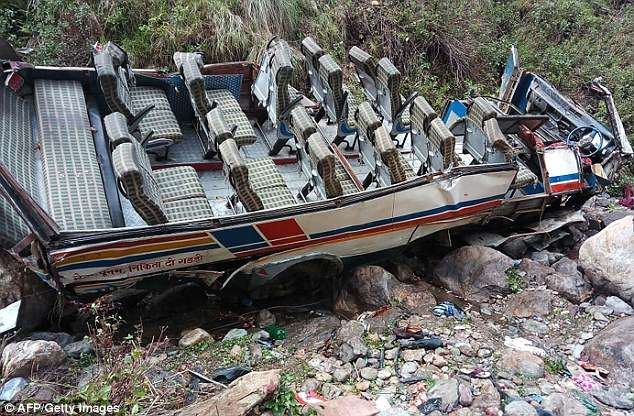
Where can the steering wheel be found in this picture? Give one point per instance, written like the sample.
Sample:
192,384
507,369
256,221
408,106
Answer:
575,137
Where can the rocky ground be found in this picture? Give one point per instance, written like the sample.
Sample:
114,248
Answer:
541,325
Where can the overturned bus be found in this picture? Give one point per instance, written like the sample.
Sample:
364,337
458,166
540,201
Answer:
226,174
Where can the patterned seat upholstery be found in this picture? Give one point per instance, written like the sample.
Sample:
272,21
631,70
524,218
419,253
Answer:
524,176
189,65
312,51
422,115
17,152
389,87
366,66
332,80
282,71
168,195
302,125
372,130
117,129
75,193
442,140
257,183
325,161
130,100
233,115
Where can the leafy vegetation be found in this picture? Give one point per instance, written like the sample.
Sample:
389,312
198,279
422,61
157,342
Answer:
555,365
515,281
284,402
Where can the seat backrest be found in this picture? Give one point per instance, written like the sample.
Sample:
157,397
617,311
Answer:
282,71
442,140
189,65
367,121
389,89
219,130
366,67
389,154
483,116
422,114
325,161
113,83
117,129
134,175
332,80
302,124
312,52
238,173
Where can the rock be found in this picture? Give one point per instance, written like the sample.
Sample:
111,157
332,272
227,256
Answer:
519,408
323,377
265,318
541,257
572,287
612,349
195,336
362,385
413,355
240,399
530,303
235,333
255,351
474,272
60,338
489,397
447,391
535,271
367,288
79,348
484,353
330,391
409,367
384,374
618,306
341,374
522,364
533,326
391,354
38,392
236,352
616,397
310,384
349,336
369,373
601,210
563,405
607,259
360,363
311,334
514,248
21,358
11,388
465,394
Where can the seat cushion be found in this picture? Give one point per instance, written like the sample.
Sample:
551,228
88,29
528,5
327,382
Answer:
390,79
442,139
347,184
188,209
302,125
422,115
180,182
524,176
325,161
75,191
269,184
233,115
160,119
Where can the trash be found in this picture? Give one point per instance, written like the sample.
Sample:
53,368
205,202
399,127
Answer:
628,197
523,344
276,332
600,371
11,388
228,374
585,382
346,405
592,408
308,398
428,343
430,405
448,309
537,398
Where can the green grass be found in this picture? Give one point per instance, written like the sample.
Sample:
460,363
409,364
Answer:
515,281
554,365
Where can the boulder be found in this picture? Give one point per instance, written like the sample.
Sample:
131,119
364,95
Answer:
489,397
607,259
311,334
265,318
535,271
239,399
573,287
474,272
193,337
20,359
521,364
60,338
366,288
618,306
350,340
447,392
530,303
613,349
235,333
79,348
560,404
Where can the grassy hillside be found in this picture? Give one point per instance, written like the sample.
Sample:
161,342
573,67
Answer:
443,51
